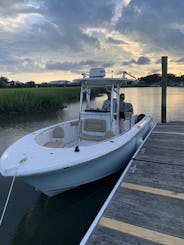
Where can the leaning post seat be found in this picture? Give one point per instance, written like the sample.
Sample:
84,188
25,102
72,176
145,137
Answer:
95,126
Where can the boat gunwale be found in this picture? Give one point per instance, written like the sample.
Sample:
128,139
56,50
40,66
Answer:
114,143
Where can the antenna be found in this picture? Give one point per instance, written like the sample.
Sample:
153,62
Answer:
85,75
126,73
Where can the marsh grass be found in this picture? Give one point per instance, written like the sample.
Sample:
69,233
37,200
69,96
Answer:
33,100
26,100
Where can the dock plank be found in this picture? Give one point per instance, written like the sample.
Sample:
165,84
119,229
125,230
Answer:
155,212
163,176
107,236
163,148
148,206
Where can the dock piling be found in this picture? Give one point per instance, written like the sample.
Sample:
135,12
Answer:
164,89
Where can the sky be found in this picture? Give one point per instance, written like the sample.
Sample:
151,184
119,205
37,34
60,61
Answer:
46,40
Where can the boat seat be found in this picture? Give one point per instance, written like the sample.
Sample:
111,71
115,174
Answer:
58,132
56,144
57,138
74,123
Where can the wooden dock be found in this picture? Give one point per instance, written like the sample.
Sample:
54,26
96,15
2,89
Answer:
147,204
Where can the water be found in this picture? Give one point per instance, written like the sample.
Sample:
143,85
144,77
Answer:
33,218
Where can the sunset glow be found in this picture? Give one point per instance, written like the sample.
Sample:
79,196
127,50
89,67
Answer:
50,40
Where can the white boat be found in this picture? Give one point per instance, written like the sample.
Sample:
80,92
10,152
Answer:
69,154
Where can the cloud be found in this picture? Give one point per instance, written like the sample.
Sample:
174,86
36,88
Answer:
42,28
72,18
143,60
181,60
140,61
21,64
73,66
115,41
156,30
45,35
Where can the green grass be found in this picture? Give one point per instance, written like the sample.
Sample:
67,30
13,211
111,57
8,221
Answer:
33,100
26,100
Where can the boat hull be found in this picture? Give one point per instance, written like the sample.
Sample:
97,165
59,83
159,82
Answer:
61,180
53,171
56,182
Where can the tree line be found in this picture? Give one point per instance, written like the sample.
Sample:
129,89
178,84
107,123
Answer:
156,79
6,83
150,80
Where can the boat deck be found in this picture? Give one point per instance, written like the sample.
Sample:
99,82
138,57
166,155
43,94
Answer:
81,143
147,207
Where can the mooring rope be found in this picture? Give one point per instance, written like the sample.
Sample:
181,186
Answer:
10,191
7,199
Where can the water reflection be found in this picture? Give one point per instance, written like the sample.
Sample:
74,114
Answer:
63,219
148,101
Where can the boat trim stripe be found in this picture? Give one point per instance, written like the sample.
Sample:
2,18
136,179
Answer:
156,191
140,232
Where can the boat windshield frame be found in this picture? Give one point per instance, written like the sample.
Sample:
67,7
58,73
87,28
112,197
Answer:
111,85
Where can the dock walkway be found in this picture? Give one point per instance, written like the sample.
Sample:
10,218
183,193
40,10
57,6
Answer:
148,204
